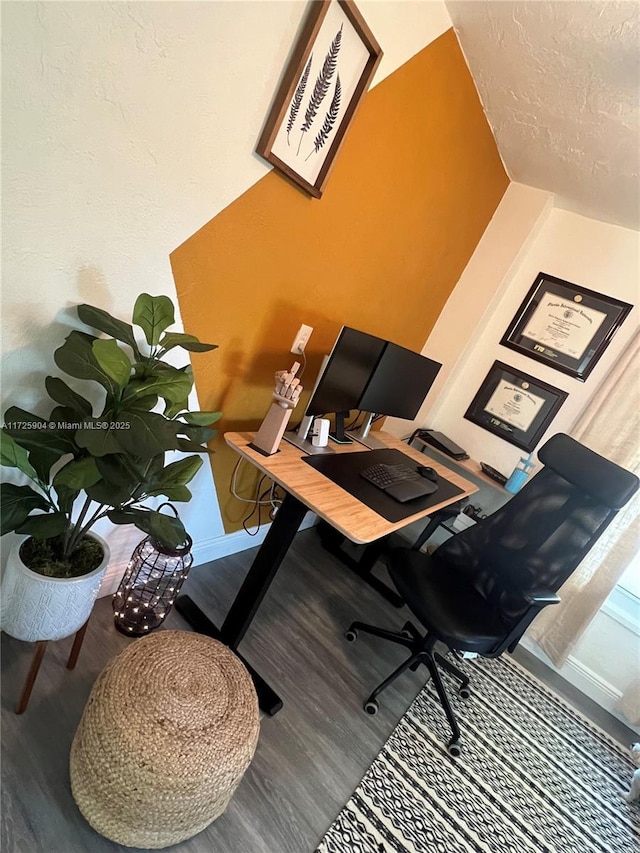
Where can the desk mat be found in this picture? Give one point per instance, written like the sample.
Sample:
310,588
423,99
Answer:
344,469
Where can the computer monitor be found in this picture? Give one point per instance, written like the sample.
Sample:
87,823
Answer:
397,388
341,383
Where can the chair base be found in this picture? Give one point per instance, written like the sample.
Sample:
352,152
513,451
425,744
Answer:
422,650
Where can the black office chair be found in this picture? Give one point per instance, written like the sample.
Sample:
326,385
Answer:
480,590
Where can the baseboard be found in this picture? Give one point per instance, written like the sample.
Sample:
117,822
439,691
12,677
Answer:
207,551
604,694
585,679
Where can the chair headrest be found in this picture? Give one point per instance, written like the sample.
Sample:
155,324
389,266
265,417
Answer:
605,481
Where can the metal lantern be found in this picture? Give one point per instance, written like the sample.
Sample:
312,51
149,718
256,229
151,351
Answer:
150,585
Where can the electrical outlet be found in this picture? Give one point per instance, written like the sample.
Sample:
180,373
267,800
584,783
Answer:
301,339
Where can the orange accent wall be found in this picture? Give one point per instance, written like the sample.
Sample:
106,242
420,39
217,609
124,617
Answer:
412,190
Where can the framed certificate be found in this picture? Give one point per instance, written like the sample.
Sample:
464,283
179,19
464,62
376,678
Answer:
564,325
515,406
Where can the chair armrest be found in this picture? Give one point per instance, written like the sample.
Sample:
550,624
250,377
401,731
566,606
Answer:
541,597
536,599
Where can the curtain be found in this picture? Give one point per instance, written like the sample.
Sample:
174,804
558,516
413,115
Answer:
610,426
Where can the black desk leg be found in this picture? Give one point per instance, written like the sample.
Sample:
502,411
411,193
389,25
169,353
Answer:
268,699
332,541
250,595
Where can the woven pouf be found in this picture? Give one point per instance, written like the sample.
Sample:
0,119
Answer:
168,731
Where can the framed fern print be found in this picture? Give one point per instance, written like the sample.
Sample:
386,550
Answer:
330,71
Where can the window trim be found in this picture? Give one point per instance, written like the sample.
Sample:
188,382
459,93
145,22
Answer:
623,606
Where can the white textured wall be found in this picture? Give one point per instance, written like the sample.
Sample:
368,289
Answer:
126,127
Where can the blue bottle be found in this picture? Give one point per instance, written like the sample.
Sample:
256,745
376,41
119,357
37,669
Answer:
519,475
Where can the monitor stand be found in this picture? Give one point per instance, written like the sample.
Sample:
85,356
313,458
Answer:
339,434
364,436
299,438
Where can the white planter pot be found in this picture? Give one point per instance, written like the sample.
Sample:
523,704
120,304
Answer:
36,608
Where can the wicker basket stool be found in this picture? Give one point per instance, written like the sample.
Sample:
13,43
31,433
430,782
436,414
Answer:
168,731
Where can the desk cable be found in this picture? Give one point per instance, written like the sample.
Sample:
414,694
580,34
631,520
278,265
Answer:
269,497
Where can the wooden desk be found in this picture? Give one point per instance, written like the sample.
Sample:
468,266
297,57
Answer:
305,489
469,465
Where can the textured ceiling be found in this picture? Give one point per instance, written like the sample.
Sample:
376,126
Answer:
560,85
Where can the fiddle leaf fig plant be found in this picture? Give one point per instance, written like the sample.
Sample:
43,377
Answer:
87,462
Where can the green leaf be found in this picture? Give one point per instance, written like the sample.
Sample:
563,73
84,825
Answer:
176,474
201,435
62,416
188,342
44,526
112,360
76,358
163,529
201,418
138,404
14,456
173,493
148,434
121,469
163,380
59,391
153,314
123,477
109,494
171,410
66,498
38,435
17,502
104,322
96,440
43,460
77,474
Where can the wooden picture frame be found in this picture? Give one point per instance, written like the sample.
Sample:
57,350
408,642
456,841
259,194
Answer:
325,81
564,325
515,406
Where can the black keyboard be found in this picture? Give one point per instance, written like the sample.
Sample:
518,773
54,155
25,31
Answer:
401,482
388,475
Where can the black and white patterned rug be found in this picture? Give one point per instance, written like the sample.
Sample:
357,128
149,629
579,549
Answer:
534,775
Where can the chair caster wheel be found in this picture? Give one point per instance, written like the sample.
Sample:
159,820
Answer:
371,707
408,632
453,748
464,693
351,635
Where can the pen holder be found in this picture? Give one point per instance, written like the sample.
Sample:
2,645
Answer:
519,475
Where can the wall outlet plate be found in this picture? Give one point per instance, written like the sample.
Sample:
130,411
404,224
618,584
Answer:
301,339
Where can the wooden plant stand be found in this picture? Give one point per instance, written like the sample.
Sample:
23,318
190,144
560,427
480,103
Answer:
41,647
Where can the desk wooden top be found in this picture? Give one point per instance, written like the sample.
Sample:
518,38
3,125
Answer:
341,510
470,465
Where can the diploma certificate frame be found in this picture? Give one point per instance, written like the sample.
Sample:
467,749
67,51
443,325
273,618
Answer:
564,325
515,406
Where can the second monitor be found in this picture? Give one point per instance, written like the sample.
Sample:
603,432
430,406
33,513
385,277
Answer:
397,388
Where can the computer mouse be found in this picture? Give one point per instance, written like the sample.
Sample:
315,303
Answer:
427,473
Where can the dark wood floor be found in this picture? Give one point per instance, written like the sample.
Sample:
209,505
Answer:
310,756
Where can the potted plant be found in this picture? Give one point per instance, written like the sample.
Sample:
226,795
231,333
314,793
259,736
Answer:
84,467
